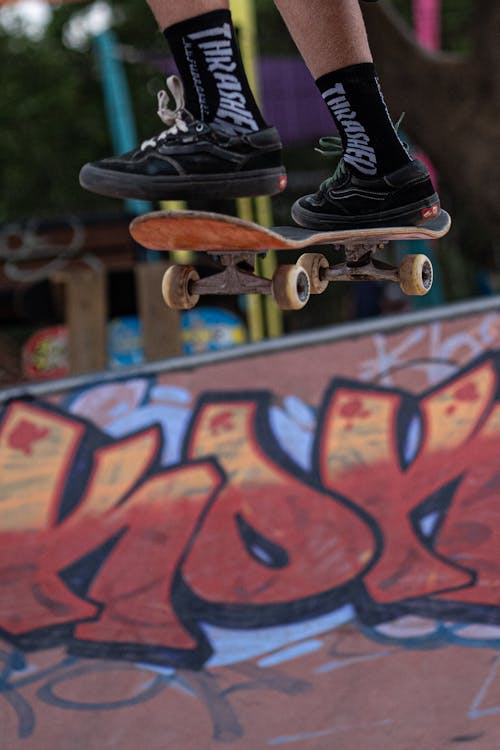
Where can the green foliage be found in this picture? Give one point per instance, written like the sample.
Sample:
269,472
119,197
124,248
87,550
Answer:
53,118
274,38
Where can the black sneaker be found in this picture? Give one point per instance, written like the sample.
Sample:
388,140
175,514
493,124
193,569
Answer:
191,159
405,197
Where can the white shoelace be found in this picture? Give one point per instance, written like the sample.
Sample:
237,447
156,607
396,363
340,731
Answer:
173,117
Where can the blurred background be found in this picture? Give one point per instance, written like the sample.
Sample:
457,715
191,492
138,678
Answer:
79,82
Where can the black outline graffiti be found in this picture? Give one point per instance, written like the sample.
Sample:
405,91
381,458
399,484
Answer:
190,609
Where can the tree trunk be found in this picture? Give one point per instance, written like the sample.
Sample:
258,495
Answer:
452,103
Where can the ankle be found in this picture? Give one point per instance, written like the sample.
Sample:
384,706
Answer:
207,55
369,138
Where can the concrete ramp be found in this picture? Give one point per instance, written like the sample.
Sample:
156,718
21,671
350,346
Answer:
295,544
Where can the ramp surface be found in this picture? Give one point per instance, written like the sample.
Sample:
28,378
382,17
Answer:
293,545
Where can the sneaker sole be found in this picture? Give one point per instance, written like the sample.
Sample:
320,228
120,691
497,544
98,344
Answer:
182,187
409,215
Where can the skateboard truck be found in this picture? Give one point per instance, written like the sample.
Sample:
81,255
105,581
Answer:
289,286
414,274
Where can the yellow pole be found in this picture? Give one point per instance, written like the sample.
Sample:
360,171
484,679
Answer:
179,256
255,317
243,13
274,316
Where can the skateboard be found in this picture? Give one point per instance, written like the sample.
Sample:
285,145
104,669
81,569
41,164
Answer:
234,245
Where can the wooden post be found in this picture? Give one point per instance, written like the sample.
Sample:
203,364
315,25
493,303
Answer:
161,330
86,315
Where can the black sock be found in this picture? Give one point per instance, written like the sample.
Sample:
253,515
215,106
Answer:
371,145
208,58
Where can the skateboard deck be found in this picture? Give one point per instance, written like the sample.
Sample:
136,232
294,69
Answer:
234,244
211,232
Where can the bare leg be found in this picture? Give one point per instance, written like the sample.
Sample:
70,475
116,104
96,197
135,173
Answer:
330,34
167,13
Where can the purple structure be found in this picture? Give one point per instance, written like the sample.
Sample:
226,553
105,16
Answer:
290,99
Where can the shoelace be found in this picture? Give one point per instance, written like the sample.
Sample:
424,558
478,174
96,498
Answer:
331,147
176,118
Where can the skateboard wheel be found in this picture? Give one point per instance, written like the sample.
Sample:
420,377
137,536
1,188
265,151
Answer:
290,287
175,287
415,274
312,263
